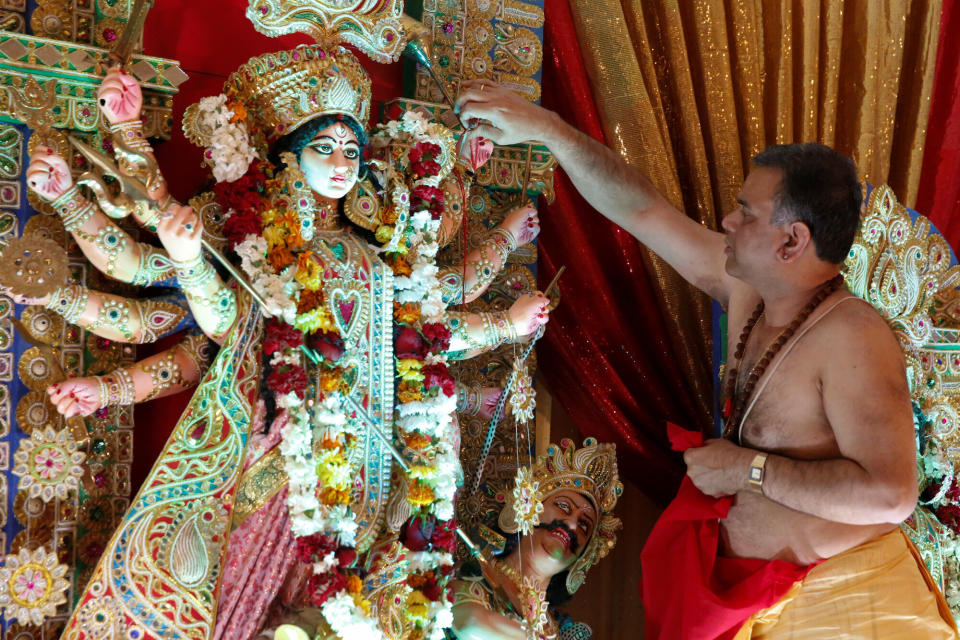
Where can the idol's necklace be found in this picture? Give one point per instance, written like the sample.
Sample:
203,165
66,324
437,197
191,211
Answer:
737,400
533,598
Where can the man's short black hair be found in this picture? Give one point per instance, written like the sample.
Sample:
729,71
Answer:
820,188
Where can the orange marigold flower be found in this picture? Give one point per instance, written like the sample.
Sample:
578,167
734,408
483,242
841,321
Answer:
416,581
399,265
289,218
354,584
330,380
333,496
239,111
407,313
416,440
329,443
280,258
419,494
410,392
309,300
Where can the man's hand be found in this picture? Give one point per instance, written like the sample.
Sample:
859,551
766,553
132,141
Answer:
48,174
120,97
512,118
719,468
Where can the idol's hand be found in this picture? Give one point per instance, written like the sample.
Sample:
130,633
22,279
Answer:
719,468
511,117
120,97
529,313
76,397
180,234
48,174
523,223
489,397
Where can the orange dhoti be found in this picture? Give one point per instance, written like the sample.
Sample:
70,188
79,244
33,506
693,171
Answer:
879,589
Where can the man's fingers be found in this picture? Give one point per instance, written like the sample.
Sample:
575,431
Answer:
488,131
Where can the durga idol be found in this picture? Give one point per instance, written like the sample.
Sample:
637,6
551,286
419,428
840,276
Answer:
322,441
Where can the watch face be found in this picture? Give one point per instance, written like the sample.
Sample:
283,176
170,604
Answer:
756,474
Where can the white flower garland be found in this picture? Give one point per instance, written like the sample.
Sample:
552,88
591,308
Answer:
229,153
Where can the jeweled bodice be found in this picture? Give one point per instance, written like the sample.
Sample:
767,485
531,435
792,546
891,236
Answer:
358,289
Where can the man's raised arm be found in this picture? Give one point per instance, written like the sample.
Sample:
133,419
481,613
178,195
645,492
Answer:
611,186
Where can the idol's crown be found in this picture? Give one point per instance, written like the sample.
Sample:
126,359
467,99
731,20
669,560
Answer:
283,90
592,471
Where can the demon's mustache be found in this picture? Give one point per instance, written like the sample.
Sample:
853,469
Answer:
559,524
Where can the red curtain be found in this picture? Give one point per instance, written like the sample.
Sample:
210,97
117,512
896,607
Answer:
605,355
939,194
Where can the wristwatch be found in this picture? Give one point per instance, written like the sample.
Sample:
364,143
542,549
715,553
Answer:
757,471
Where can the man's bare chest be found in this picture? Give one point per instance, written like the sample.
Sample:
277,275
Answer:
784,412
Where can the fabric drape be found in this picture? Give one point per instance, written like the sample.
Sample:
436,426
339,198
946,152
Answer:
689,92
939,195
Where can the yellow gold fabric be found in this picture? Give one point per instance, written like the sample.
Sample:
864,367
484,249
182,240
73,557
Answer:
690,90
879,589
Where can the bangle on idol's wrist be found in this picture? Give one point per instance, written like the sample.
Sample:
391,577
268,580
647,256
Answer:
497,328
507,238
194,273
469,399
130,133
69,301
73,208
116,388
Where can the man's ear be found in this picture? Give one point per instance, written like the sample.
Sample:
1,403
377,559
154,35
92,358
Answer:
795,241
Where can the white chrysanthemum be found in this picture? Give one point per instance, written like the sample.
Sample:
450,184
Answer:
49,464
327,564
252,252
32,585
230,153
441,617
348,620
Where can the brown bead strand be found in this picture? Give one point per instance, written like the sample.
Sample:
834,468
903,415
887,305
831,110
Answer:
738,400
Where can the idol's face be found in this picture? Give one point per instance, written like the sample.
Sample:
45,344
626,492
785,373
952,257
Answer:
331,160
567,523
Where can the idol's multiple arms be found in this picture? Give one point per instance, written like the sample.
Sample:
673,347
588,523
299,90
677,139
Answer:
163,374
487,259
212,303
477,332
110,249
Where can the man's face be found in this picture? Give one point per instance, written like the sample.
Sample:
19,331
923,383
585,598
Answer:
752,242
330,161
566,525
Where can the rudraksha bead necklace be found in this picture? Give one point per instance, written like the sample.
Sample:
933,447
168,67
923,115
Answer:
738,400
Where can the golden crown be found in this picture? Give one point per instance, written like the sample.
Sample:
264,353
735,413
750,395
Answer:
283,90
592,471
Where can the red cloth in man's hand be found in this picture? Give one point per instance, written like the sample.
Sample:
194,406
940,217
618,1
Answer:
689,592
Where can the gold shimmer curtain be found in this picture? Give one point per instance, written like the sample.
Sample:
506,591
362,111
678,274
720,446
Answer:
690,90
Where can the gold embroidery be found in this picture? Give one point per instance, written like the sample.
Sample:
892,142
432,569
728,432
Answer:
263,480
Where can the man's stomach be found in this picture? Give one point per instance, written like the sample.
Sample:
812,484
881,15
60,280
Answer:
760,528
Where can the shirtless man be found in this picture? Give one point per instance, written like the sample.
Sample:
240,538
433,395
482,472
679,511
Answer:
834,419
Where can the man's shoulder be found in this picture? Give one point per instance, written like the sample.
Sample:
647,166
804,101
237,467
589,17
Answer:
854,329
